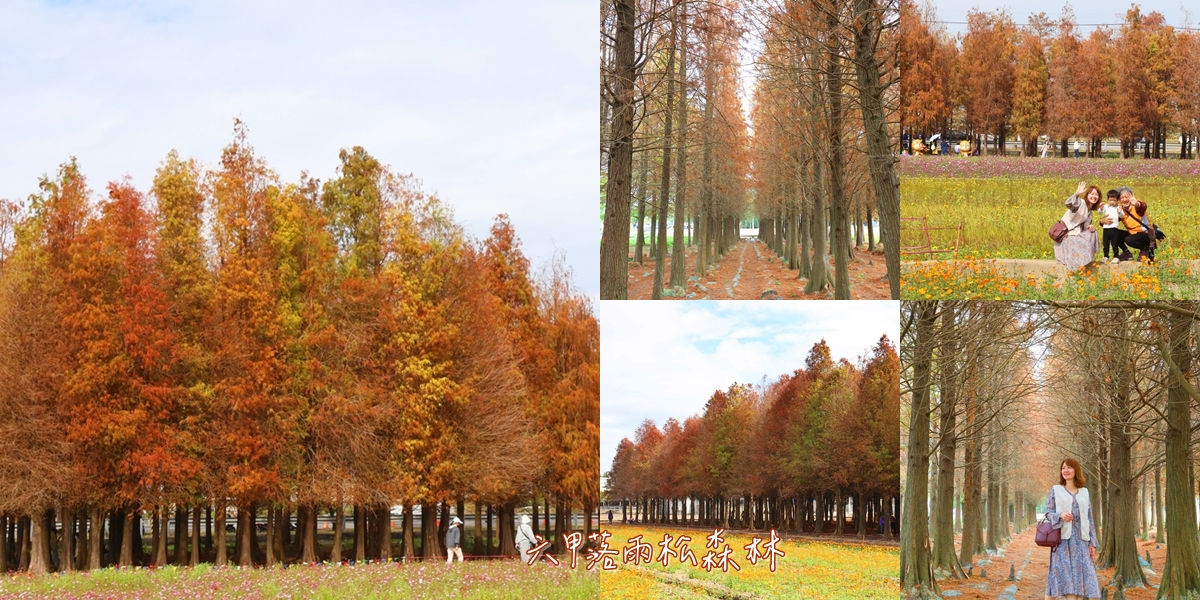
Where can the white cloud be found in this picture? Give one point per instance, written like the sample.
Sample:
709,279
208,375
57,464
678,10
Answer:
492,105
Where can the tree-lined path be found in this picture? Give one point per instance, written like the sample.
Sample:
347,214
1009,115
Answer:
998,394
1030,565
752,271
694,142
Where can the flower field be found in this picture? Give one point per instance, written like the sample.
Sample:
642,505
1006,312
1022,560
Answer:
1006,207
1069,169
981,279
478,579
807,570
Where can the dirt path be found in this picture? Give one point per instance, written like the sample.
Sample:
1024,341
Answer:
1031,564
751,271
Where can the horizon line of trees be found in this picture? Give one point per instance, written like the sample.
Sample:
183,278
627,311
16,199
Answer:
232,340
792,455
1138,83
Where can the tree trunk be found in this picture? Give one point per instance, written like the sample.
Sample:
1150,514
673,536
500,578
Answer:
360,538
614,241
384,531
837,194
478,537
127,538
490,545
562,512
678,263
536,530
194,557
943,520
803,226
4,526
245,533
430,548
24,543
993,493
339,528
506,533
916,569
1181,573
818,278
181,535
222,545
308,547
1158,506
160,537
95,539
66,550
409,551
1120,525
39,553
879,152
665,189
639,249
272,528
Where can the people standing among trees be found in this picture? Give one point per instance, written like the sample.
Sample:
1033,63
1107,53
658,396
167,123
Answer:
1080,245
525,538
1072,569
454,541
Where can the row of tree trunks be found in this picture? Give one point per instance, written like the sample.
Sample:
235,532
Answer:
813,514
91,539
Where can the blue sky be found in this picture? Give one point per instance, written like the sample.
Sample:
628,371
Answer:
1096,11
492,105
664,359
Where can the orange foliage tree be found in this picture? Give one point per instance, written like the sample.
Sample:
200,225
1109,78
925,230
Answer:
283,349
794,454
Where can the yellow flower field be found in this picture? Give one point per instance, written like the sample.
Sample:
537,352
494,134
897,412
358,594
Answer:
807,570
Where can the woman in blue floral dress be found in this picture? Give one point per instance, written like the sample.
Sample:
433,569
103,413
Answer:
1072,569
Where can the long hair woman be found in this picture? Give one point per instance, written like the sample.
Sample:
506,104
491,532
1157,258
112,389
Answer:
1080,246
1072,564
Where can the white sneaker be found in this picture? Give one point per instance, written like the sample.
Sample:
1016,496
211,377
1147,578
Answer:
1116,260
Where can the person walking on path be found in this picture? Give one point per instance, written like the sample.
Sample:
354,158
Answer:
610,516
1068,507
525,539
454,541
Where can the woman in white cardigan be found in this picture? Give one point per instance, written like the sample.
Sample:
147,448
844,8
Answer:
1069,508
1080,246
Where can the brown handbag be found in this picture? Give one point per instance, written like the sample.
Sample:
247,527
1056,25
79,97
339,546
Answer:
1058,232
1047,536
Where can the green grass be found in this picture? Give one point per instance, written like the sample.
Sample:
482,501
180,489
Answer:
1010,217
499,579
808,570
